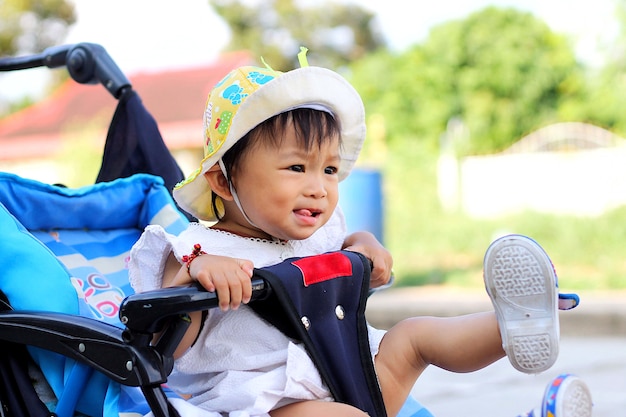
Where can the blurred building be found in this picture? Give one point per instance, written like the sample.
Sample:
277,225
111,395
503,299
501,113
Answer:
78,115
566,168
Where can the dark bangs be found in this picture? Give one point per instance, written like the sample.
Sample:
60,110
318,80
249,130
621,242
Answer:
313,129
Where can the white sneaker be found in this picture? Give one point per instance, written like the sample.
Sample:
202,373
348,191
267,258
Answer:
520,279
566,396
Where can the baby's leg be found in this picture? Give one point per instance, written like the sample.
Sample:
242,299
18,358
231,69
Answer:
521,283
317,409
458,344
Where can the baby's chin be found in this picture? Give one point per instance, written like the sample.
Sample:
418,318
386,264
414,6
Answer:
297,235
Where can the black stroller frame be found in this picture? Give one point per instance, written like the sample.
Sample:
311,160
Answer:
87,63
127,355
124,355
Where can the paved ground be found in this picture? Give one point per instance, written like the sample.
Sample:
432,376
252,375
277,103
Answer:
501,391
593,346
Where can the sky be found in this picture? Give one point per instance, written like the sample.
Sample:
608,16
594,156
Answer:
151,35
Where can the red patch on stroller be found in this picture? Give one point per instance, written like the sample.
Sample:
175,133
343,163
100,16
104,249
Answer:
324,267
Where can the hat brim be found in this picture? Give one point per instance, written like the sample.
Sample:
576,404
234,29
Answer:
312,86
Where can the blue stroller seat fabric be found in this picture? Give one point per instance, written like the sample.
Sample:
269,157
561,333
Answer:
92,229
19,248
89,232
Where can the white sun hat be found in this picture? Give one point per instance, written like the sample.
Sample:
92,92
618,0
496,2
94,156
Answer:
248,96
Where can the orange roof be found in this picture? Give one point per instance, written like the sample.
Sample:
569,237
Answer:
175,98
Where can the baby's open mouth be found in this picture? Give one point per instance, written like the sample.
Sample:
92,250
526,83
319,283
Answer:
308,213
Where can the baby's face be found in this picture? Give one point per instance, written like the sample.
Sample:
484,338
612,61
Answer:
288,192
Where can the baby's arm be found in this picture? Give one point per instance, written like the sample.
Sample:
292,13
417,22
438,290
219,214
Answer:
229,277
367,244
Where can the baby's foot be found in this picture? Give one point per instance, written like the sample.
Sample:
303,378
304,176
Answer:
566,396
520,279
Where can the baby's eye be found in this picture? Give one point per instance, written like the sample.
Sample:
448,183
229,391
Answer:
297,168
331,170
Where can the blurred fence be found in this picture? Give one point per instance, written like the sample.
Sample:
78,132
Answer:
569,168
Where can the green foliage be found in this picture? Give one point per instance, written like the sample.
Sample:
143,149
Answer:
604,97
30,26
501,71
335,33
505,74
431,246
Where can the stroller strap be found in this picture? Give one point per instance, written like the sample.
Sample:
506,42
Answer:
321,302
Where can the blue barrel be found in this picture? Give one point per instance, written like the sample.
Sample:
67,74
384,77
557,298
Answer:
361,198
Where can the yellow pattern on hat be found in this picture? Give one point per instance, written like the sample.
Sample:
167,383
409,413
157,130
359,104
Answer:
223,102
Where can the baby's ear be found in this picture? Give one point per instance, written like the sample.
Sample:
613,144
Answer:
218,182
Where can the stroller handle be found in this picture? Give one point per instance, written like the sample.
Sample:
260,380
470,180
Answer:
148,311
52,57
87,63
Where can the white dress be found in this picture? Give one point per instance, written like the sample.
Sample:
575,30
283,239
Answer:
240,365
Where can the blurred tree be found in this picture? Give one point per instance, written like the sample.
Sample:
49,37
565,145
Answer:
605,97
30,26
335,33
502,72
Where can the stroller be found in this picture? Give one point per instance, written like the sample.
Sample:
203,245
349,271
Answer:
68,314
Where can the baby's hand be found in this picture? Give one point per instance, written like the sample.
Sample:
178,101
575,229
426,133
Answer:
381,259
229,277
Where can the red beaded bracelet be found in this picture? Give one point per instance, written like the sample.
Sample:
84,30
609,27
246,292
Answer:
197,251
